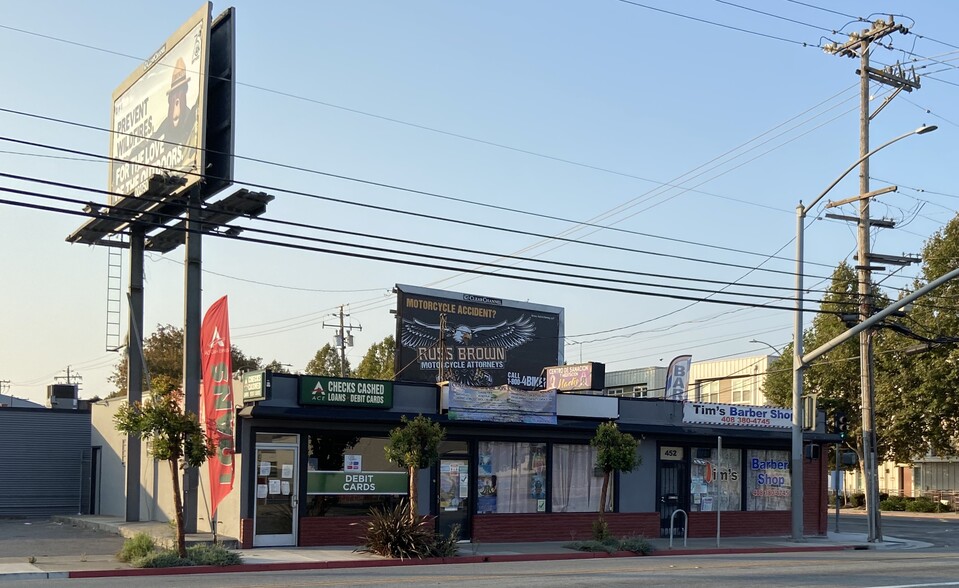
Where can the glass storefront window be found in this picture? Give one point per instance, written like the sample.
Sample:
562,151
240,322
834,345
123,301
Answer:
511,477
576,488
355,457
768,480
715,484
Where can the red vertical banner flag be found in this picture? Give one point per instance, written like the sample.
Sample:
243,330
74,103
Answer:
217,374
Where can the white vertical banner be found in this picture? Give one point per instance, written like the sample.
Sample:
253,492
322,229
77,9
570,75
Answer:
677,378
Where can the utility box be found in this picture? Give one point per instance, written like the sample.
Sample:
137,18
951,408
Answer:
62,396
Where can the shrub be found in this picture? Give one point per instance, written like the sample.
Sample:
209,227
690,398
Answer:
165,558
857,500
391,533
206,554
447,546
136,547
601,529
638,544
925,504
894,503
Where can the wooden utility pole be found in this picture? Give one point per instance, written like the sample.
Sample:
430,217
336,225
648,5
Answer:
344,338
858,46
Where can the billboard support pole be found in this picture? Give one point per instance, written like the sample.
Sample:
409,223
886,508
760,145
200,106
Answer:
191,343
135,366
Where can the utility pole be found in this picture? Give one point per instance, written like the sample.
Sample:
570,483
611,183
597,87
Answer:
441,371
344,337
858,46
70,378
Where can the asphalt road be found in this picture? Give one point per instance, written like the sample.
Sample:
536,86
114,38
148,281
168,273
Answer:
862,569
942,530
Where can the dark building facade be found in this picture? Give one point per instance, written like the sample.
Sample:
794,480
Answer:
313,464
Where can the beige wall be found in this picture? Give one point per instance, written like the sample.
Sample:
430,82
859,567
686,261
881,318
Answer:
156,486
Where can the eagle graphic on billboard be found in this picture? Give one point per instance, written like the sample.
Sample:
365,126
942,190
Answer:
507,334
502,336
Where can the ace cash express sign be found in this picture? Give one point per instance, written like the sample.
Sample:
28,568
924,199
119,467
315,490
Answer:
325,391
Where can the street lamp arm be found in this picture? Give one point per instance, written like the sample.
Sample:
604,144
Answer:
920,131
778,352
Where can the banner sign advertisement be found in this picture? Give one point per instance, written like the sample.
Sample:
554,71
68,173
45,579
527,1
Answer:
582,376
500,405
357,483
324,391
677,378
157,119
217,394
475,340
737,415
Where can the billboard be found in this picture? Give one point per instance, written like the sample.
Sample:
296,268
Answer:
478,341
158,112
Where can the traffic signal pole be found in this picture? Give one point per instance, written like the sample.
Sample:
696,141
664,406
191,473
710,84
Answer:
836,483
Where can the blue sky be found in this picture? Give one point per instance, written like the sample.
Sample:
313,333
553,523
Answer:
695,141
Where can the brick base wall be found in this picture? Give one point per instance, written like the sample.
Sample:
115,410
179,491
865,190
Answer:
500,528
246,533
319,531
740,523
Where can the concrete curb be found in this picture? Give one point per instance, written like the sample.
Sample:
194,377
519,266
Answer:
468,559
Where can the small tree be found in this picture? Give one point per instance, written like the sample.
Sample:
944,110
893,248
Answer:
615,452
377,364
415,445
174,435
327,362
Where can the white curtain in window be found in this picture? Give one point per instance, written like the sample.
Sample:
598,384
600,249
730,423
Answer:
575,488
516,466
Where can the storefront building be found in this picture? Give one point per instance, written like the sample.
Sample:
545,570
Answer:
312,464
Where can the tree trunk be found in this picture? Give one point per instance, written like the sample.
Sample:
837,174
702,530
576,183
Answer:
413,495
180,539
602,495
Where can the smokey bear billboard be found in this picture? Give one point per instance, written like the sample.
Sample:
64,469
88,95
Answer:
477,341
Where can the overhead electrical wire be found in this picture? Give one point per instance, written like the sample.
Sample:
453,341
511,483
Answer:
402,262
458,222
416,254
576,223
721,25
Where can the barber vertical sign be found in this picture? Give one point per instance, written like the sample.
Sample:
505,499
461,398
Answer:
677,378
218,398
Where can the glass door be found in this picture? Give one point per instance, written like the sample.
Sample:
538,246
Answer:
453,488
275,515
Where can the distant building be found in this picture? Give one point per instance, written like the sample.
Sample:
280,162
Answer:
728,381
9,401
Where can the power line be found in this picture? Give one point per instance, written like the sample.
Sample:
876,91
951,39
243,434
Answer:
576,223
394,260
426,256
721,25
458,222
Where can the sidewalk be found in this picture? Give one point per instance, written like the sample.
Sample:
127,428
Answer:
85,546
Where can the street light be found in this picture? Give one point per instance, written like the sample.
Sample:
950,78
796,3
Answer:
796,503
767,345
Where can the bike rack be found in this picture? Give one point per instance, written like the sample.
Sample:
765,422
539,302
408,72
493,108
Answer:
672,518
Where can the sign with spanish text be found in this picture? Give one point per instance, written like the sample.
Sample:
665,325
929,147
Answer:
325,391
582,376
737,415
217,393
